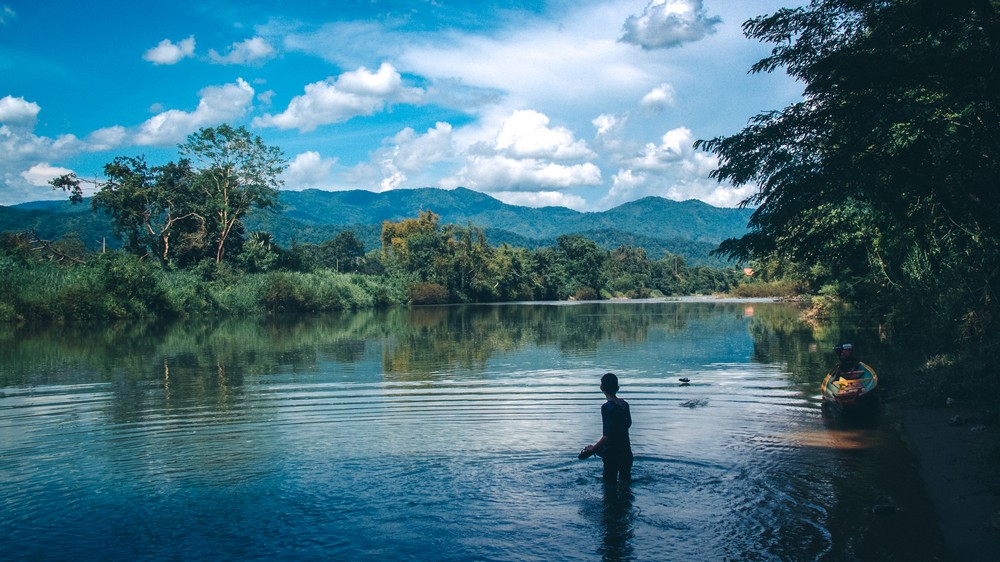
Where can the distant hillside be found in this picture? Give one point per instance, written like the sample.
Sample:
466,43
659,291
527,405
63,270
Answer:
691,228
652,216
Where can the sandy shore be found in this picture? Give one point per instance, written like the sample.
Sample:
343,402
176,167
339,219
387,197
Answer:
958,449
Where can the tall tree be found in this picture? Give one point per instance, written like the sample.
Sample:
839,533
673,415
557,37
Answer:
885,173
237,173
585,262
149,207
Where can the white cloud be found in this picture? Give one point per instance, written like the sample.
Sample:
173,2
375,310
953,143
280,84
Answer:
266,97
499,173
308,169
407,153
659,98
526,134
608,124
250,51
107,138
676,148
412,152
352,94
40,174
218,104
525,154
18,113
542,63
675,170
669,23
627,180
25,159
167,52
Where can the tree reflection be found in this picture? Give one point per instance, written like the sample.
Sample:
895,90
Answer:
212,359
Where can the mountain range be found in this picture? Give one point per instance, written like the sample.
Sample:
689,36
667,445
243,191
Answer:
690,228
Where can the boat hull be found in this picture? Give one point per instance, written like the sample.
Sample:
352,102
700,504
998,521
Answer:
850,388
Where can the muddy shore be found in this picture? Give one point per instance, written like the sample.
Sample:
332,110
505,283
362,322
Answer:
957,446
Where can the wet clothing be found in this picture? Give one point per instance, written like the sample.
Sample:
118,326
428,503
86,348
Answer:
616,451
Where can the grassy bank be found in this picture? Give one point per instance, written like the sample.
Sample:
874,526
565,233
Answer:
114,286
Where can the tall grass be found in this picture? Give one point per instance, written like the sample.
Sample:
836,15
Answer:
118,286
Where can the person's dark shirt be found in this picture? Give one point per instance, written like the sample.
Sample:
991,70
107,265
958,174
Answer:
616,419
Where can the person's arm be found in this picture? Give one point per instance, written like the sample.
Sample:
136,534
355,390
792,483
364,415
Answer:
596,445
604,430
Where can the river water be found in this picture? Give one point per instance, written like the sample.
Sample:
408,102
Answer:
448,433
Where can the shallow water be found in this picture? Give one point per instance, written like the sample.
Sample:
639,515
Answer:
447,433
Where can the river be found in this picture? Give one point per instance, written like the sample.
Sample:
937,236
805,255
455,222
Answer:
449,433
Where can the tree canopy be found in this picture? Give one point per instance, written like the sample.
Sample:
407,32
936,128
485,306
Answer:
883,177
200,201
239,172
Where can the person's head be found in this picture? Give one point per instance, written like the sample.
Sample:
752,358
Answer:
609,383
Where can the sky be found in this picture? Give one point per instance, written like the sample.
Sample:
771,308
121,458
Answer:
585,104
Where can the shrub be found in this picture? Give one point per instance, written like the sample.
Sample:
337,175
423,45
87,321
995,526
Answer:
427,293
779,288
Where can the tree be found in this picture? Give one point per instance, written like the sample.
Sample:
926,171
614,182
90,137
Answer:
343,252
149,206
396,235
238,172
585,262
885,173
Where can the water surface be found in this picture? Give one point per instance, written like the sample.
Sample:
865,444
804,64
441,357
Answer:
447,433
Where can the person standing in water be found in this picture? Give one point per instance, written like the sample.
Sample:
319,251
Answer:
614,446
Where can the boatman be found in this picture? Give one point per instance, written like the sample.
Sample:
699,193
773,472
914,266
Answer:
848,366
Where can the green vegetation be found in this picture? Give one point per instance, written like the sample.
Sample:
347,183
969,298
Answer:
879,188
691,229
422,263
186,251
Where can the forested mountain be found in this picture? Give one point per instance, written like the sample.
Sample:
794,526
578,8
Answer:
654,217
691,228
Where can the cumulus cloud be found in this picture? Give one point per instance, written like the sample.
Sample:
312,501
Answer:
218,104
608,124
408,152
251,51
526,134
676,147
610,132
526,155
107,138
659,98
673,169
40,174
352,94
669,23
499,173
25,162
168,52
17,113
308,169
411,151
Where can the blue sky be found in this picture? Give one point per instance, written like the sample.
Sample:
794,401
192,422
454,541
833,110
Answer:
585,104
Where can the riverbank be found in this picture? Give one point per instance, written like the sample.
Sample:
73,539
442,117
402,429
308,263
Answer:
956,442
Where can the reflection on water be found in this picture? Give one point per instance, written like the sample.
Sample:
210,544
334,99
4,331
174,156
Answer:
446,433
